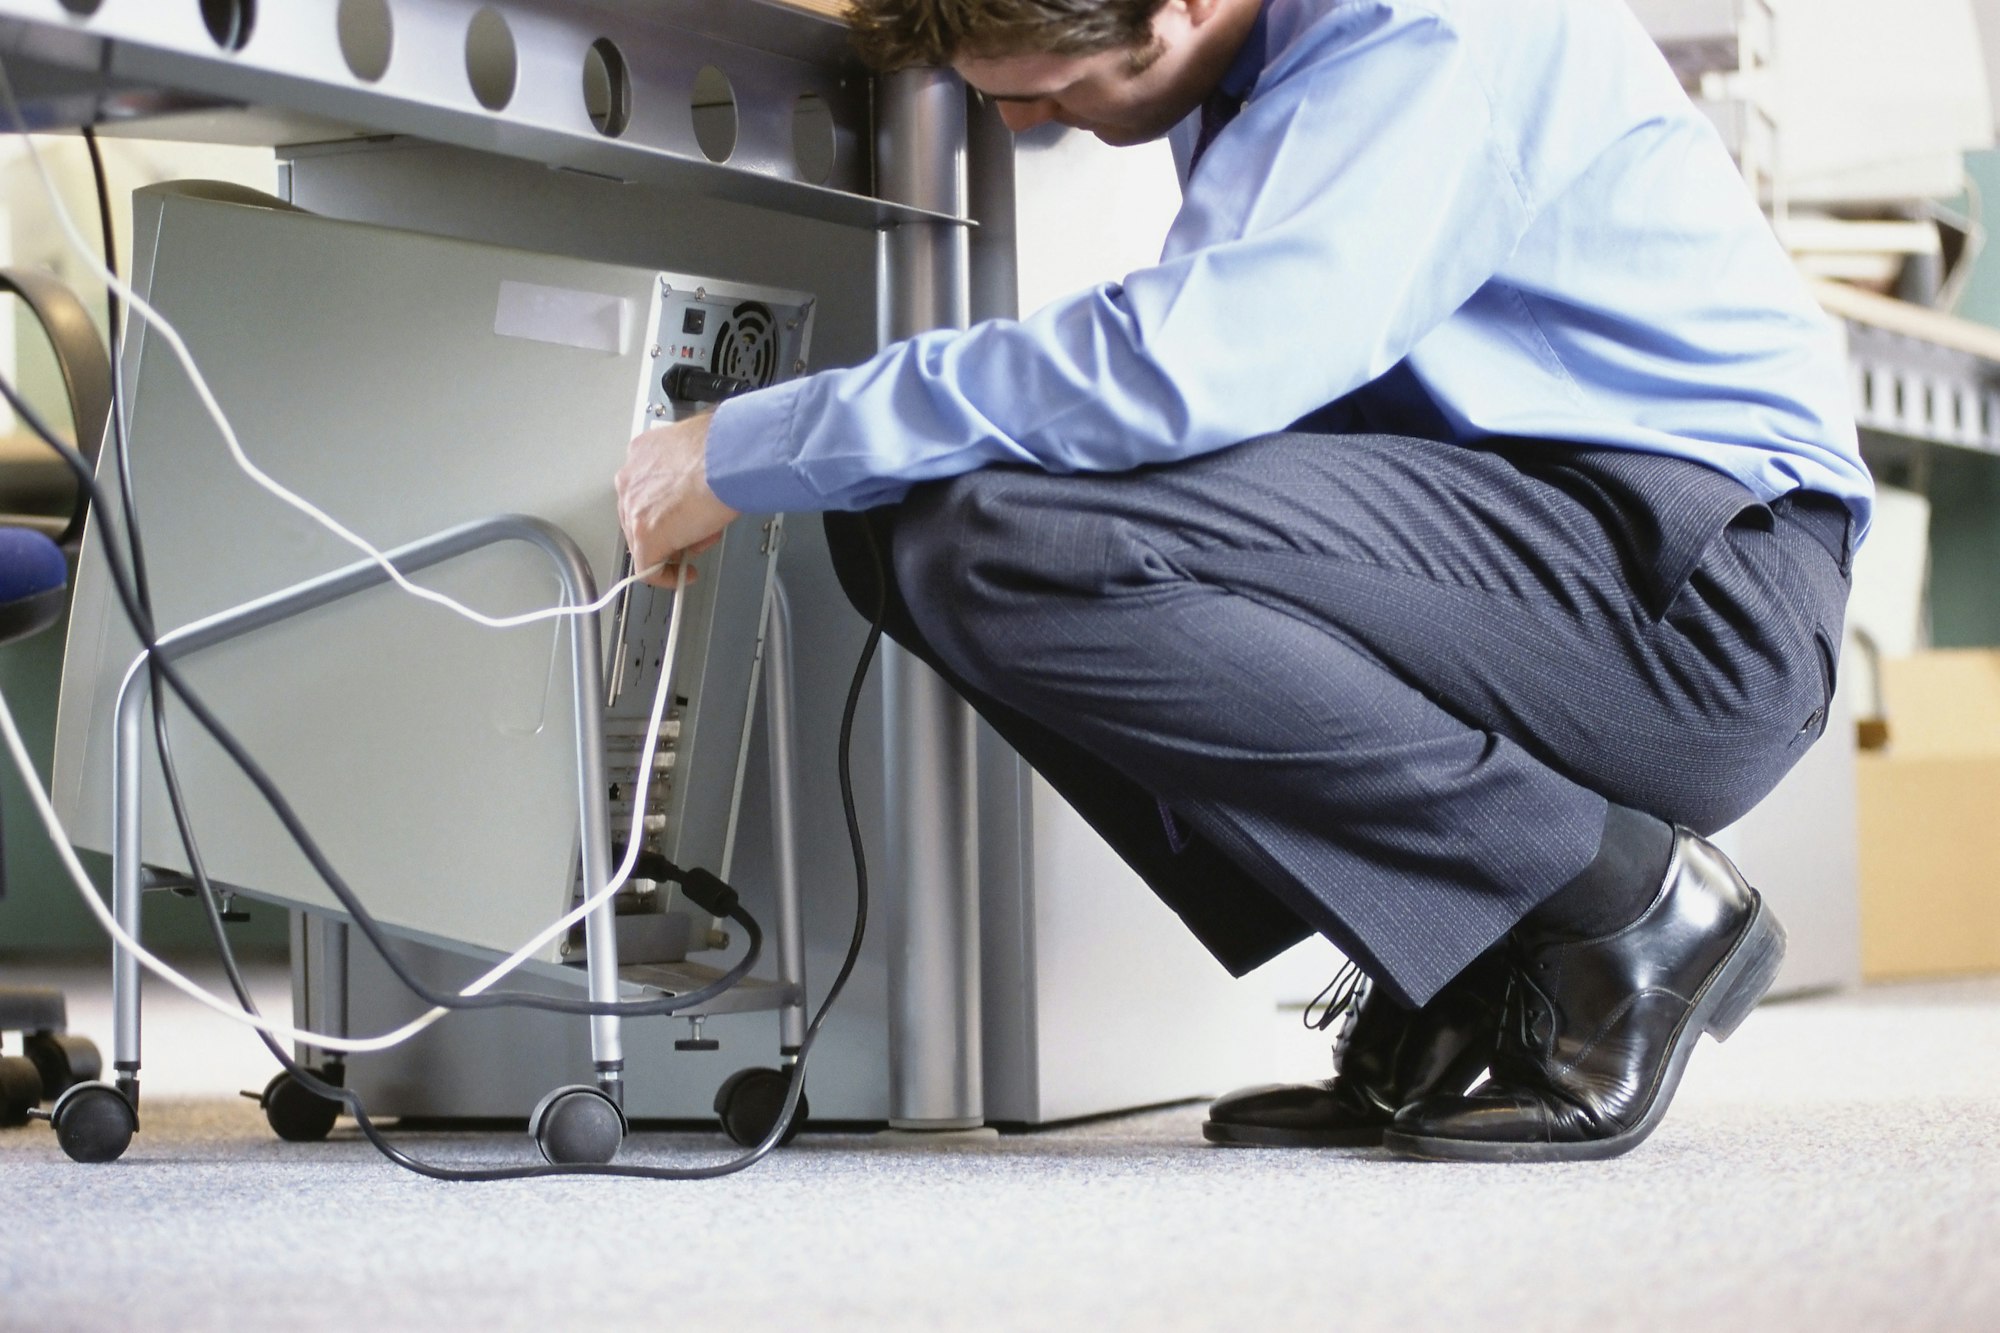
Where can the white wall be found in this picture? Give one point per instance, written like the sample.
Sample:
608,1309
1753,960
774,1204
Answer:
31,237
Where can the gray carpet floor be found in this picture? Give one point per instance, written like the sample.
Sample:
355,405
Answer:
1835,1166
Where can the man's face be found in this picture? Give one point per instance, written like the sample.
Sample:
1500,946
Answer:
1123,96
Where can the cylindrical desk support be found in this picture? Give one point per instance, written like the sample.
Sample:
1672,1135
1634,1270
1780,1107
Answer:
935,1077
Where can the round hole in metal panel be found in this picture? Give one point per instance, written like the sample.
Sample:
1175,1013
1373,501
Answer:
607,88
83,8
229,22
813,143
367,36
714,108
490,63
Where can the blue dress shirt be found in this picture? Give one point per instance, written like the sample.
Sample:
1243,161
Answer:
1462,219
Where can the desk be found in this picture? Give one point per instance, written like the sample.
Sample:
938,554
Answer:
595,133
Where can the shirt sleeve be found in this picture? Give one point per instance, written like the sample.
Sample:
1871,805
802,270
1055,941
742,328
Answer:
1363,194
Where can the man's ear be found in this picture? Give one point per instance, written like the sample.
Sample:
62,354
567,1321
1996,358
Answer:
1198,11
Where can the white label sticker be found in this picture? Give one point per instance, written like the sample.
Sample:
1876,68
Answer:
590,320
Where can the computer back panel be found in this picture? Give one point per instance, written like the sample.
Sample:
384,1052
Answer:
712,341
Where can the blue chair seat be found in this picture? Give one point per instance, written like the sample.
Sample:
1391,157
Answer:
34,583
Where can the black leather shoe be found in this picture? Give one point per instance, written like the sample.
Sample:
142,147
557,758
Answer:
1597,1031
1389,1057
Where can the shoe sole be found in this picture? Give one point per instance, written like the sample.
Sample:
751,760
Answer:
1265,1136
1719,1008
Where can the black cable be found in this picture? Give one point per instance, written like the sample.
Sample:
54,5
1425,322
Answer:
134,594
114,312
132,591
114,319
205,889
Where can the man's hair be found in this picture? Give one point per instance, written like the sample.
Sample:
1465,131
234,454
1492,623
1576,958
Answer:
896,34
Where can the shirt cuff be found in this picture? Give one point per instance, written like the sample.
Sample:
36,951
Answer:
750,451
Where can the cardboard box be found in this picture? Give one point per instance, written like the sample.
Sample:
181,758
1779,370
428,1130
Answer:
1930,820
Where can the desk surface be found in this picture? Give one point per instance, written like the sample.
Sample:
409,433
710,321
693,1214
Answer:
597,90
833,9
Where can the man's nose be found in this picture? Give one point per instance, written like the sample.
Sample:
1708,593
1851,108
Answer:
1018,116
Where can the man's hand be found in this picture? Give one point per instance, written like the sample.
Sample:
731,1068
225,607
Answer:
664,503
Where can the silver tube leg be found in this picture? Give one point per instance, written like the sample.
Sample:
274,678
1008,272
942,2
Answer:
600,931
935,1076
125,887
586,655
782,737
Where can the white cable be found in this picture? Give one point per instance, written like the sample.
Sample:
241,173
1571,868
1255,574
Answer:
154,964
326,1041
167,331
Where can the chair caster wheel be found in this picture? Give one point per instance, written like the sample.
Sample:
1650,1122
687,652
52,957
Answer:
750,1102
63,1061
295,1112
577,1125
94,1122
20,1090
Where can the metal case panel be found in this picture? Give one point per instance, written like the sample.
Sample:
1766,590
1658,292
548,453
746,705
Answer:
406,383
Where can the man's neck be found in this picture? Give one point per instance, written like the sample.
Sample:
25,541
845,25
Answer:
1223,36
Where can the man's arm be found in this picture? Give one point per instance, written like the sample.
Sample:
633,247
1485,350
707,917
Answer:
1361,197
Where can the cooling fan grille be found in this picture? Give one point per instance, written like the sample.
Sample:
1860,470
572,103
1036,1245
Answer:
746,346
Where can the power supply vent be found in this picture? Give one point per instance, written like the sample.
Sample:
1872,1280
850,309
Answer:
746,347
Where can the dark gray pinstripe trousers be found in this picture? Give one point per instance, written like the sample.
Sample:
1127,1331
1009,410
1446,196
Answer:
1385,686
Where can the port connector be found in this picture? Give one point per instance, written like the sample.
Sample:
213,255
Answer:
691,384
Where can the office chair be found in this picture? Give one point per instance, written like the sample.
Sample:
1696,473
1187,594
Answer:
34,586
42,512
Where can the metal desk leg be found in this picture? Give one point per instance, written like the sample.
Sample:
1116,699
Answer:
935,1077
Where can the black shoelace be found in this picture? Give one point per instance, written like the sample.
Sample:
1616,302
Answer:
1342,998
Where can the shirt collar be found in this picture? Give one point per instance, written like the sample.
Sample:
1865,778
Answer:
1241,76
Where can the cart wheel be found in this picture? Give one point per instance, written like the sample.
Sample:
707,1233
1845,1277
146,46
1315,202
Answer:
577,1125
296,1113
750,1102
63,1061
20,1090
94,1122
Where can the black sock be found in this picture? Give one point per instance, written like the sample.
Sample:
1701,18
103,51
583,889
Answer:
1619,883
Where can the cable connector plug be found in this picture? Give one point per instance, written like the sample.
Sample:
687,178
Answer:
708,892
703,889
